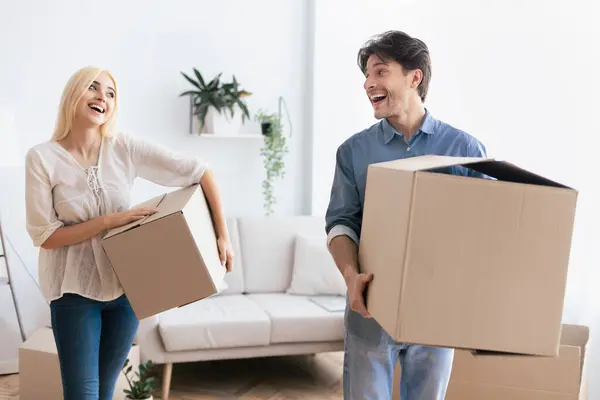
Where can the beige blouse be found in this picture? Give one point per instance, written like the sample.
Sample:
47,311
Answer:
60,192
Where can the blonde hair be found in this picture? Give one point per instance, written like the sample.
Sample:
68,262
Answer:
79,82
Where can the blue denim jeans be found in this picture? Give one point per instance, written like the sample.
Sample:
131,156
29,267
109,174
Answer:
93,340
370,356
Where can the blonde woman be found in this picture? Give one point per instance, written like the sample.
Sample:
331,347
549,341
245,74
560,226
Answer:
77,187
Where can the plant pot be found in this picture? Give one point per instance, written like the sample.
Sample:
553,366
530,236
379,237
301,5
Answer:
148,398
222,123
264,127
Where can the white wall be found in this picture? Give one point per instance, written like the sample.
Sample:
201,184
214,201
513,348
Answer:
500,75
517,74
146,46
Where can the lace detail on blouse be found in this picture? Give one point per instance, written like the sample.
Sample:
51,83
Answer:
94,185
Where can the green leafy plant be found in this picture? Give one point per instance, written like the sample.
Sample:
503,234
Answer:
140,388
273,152
222,96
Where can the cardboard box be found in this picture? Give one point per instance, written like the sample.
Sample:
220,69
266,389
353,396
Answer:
466,262
39,369
168,259
516,377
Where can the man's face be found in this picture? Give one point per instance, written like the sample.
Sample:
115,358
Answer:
389,86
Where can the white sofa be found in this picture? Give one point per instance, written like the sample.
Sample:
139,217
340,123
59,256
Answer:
281,266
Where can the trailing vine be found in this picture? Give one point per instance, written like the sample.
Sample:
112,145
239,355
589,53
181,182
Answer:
273,153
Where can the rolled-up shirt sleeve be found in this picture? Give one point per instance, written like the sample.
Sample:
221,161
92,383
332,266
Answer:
41,218
344,212
163,166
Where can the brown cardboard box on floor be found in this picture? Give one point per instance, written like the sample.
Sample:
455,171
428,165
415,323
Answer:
516,377
39,369
168,259
466,262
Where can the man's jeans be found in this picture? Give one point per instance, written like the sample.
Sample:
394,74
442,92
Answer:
370,357
93,340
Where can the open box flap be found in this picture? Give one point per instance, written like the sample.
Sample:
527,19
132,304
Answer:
578,336
507,172
154,202
167,204
427,162
500,170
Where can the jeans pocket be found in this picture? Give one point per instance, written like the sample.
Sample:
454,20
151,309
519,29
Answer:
367,329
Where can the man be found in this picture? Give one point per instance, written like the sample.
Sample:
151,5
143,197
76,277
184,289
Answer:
397,69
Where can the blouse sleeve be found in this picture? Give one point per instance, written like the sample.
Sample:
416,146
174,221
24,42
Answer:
41,218
163,166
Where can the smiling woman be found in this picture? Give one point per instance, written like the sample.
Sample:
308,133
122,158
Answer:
95,106
78,186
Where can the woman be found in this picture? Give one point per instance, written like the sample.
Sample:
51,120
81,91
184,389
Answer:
77,187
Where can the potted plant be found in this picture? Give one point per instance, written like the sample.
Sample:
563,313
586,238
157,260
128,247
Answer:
214,105
273,152
140,388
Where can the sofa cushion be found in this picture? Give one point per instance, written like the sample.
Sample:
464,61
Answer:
297,319
314,271
235,278
216,322
267,245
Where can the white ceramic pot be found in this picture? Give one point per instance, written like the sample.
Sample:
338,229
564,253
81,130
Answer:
149,398
222,123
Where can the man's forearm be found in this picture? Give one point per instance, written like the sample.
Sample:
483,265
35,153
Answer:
345,255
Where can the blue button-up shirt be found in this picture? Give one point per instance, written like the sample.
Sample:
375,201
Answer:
378,143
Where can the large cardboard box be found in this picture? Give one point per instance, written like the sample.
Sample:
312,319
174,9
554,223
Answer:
39,369
168,259
466,262
508,376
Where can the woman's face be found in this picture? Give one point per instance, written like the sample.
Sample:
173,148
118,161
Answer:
96,105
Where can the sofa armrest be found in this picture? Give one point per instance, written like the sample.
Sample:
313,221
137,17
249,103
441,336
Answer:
149,340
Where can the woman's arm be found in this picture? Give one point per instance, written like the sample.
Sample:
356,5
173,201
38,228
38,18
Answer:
73,234
161,165
211,191
40,216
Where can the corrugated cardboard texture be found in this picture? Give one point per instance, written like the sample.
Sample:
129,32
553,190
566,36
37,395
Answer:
466,262
170,258
503,376
39,369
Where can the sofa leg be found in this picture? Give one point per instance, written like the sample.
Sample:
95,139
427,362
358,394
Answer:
166,383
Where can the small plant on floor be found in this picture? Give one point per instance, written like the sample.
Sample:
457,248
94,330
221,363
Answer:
273,152
142,387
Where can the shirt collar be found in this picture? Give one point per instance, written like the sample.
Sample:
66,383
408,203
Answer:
427,127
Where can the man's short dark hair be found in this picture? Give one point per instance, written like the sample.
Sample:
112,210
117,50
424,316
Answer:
411,53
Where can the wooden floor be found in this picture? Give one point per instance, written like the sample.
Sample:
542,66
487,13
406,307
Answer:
296,377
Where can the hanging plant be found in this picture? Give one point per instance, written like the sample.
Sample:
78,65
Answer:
273,152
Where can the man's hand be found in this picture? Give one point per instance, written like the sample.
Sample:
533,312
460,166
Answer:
356,284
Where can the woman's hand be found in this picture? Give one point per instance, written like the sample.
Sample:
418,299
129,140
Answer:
225,253
123,218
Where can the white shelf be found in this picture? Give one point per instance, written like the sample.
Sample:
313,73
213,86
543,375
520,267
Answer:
230,136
